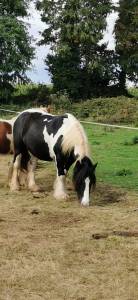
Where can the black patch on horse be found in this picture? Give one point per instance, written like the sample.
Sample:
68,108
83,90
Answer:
25,132
54,123
63,161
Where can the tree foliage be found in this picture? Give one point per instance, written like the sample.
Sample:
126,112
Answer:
16,52
74,29
14,8
126,33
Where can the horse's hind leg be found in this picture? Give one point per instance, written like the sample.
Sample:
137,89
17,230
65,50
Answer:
33,187
14,184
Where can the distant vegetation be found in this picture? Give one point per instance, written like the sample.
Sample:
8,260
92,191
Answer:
113,110
80,64
80,61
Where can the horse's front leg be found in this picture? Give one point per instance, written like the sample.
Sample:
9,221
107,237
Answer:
60,182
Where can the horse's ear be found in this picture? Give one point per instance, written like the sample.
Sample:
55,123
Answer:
95,165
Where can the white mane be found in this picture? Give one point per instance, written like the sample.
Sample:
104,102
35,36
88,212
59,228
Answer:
75,137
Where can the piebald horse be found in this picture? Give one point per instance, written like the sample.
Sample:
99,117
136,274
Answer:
48,137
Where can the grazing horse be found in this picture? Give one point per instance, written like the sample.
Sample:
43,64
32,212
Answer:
61,138
6,140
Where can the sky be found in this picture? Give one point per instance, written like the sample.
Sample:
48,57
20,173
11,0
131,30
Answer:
38,72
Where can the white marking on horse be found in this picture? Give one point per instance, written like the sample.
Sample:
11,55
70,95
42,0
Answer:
85,198
59,188
51,139
73,136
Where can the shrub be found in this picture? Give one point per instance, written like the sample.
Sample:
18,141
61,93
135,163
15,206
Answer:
126,143
83,112
61,101
124,172
43,94
135,140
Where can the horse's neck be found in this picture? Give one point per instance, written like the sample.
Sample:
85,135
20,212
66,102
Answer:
75,138
81,151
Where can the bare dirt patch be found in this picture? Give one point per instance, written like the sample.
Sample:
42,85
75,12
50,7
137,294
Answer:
47,249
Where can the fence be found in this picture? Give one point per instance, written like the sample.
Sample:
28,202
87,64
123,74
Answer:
86,122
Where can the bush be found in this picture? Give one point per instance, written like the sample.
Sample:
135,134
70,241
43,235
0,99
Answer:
83,112
124,172
6,90
61,101
135,140
37,94
43,95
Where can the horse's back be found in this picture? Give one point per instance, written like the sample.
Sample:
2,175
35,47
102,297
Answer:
40,132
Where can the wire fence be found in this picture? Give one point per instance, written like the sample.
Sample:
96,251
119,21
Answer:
10,111
86,122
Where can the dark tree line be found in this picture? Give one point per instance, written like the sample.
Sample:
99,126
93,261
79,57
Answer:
78,62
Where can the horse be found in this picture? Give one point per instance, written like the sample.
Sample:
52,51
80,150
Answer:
59,138
6,139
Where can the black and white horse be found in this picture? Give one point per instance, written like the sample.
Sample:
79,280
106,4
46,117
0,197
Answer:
47,137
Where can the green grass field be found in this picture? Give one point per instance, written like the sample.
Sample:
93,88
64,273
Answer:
117,156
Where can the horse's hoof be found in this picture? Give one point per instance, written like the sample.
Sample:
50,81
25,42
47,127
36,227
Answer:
63,196
84,204
14,188
34,188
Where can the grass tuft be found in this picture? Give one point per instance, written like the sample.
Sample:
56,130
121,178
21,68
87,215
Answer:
124,172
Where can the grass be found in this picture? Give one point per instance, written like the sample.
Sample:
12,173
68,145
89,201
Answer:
113,155
47,249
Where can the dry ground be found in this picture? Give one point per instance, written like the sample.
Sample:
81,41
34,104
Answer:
47,249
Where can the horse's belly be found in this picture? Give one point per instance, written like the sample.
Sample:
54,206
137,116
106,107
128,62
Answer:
39,150
42,156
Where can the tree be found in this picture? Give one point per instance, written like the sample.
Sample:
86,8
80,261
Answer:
126,34
74,30
14,8
16,51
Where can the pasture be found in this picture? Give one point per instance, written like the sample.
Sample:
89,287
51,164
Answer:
116,150
50,249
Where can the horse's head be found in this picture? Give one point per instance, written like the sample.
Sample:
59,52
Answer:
84,178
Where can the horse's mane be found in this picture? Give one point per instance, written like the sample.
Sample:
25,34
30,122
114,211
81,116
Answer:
75,138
